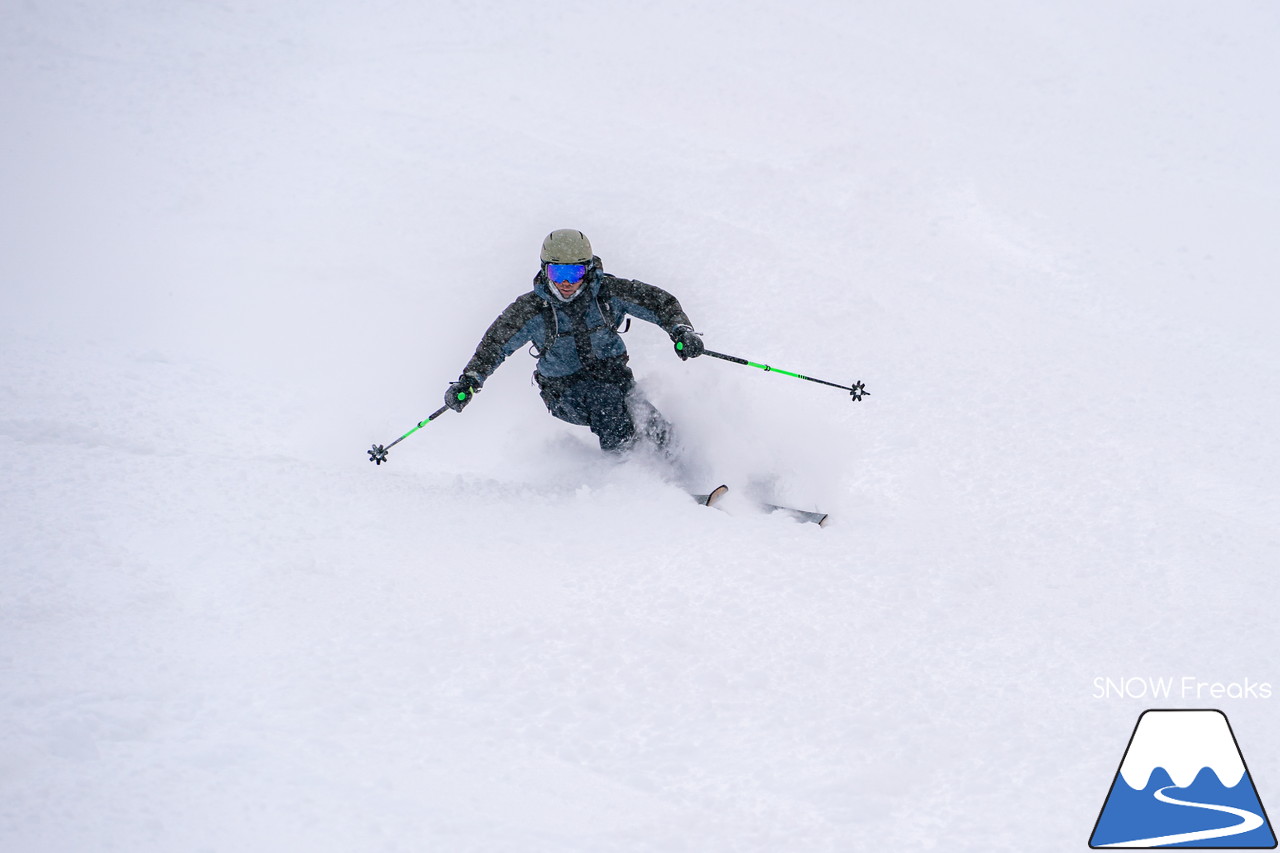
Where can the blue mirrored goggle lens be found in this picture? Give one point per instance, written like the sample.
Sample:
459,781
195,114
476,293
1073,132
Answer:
566,272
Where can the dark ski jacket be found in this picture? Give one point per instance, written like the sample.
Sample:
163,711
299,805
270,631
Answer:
578,338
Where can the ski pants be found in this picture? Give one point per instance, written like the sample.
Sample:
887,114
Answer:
617,414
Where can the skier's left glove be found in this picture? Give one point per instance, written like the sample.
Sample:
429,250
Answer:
461,392
688,342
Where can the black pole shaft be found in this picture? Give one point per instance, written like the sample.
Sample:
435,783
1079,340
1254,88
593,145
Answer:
431,417
856,389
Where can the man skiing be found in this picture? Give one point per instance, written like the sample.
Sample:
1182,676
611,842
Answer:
572,317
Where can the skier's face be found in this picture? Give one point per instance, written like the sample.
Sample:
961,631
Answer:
568,288
567,278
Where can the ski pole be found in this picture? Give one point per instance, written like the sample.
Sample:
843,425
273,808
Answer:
378,454
857,391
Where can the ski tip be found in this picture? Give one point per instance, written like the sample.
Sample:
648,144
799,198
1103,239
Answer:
713,496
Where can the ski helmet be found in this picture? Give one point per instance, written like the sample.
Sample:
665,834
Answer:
566,246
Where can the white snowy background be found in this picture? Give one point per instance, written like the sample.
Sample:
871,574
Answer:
242,242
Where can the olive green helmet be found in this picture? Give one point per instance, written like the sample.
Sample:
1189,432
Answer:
566,246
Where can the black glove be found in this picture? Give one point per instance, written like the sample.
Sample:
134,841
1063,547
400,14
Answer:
461,392
688,342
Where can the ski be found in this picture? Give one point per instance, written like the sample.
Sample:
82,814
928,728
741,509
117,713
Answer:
710,499
802,515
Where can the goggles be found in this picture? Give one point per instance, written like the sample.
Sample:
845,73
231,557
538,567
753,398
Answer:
560,273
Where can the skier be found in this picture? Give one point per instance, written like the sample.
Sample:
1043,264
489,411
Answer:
572,317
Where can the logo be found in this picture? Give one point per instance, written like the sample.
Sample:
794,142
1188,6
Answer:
1183,783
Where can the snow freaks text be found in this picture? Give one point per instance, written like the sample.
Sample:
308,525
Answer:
1185,687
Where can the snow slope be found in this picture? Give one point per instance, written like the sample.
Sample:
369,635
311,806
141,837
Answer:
241,243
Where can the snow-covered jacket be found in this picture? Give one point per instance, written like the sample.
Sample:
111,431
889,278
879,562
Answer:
576,336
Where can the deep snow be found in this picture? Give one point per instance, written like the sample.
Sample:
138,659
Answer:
241,243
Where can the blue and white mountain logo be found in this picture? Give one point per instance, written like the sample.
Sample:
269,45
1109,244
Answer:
1183,783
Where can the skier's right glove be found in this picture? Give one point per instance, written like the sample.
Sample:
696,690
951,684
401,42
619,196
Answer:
688,342
461,392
